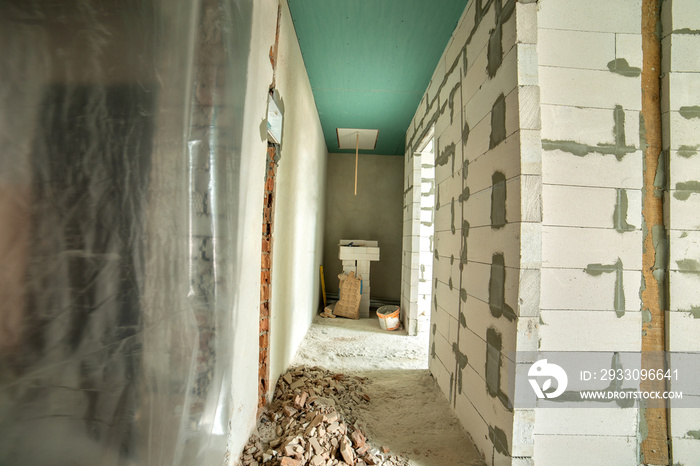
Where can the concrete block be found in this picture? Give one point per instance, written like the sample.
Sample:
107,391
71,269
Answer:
509,34
685,14
589,126
582,88
504,158
530,198
578,247
683,420
528,106
512,113
477,209
448,299
526,19
479,320
480,39
475,279
485,241
592,15
577,290
523,441
476,75
685,450
575,49
683,328
629,47
684,89
560,167
683,131
684,212
529,292
684,245
441,374
457,41
478,141
443,350
589,207
589,421
589,331
435,81
530,245
530,145
447,243
505,81
472,421
579,450
490,408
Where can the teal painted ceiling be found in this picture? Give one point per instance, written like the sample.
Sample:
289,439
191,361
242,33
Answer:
370,61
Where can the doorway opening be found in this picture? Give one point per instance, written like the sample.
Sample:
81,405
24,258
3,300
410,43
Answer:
425,156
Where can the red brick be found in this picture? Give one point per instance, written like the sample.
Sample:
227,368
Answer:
265,325
263,340
267,214
265,261
270,184
265,245
264,292
264,310
265,276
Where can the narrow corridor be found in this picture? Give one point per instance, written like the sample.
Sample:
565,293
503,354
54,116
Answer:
407,412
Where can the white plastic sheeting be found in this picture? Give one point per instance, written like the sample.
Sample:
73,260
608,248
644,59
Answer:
120,130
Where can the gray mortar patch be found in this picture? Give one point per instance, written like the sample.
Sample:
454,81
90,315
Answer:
445,155
619,148
687,31
497,289
498,200
620,66
453,229
693,434
449,284
463,319
462,361
495,51
688,151
619,294
685,189
688,265
614,386
691,111
499,440
494,344
620,212
660,241
463,252
694,311
463,295
498,121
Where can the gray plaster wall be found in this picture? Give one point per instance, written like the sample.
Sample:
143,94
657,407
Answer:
374,214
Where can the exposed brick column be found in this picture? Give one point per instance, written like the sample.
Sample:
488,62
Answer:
265,268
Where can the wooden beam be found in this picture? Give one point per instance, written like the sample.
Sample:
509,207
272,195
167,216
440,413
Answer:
654,447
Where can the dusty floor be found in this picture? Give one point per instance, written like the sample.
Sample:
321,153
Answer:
407,412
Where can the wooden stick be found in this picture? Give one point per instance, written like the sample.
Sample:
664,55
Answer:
357,148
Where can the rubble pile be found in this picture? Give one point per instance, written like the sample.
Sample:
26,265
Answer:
311,422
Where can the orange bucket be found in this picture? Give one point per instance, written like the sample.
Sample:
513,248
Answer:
389,317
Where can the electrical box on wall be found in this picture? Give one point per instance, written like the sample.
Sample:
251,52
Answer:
274,121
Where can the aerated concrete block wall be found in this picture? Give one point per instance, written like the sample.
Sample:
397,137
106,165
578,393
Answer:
484,105
590,59
680,104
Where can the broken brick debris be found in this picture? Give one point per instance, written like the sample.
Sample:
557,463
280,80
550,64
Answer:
311,421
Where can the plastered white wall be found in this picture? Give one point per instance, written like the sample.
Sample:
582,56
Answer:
246,313
299,206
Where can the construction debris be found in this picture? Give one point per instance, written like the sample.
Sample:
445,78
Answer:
311,422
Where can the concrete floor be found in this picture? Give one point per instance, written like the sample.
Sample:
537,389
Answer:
407,412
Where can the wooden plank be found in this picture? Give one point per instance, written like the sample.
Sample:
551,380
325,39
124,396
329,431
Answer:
654,447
